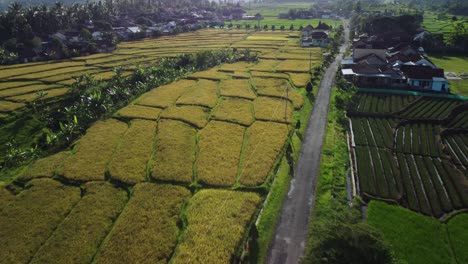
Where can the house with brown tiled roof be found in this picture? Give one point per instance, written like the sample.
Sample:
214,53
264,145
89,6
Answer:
425,78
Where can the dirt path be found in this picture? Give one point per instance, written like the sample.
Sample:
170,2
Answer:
291,233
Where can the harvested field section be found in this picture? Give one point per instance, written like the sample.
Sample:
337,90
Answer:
44,168
78,237
131,157
220,146
94,151
204,93
193,115
175,152
239,111
140,112
271,109
166,95
216,220
265,141
146,231
237,88
28,221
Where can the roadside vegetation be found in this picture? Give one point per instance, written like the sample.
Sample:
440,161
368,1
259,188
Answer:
337,233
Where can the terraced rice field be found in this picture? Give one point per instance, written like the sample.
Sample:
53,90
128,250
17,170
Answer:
179,175
412,150
20,84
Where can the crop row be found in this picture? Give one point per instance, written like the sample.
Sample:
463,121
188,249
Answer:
459,121
431,108
374,103
375,132
457,145
419,139
378,173
432,186
104,224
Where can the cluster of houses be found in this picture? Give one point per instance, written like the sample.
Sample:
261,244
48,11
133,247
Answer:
316,37
393,61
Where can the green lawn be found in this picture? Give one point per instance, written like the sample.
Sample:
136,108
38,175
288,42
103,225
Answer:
457,229
416,238
457,64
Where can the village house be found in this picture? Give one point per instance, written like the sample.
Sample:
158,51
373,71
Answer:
313,37
376,64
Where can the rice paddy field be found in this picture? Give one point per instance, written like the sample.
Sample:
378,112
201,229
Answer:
23,84
177,176
444,26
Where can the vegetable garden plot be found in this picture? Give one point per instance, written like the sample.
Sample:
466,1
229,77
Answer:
419,139
174,157
265,140
271,109
239,111
165,96
203,93
375,132
220,145
216,224
44,168
457,146
237,88
28,221
129,164
146,231
459,121
376,103
94,151
140,112
194,115
31,97
79,236
378,173
7,106
431,108
432,186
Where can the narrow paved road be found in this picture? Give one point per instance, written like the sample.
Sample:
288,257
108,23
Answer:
291,232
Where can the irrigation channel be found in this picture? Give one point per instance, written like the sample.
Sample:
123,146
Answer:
291,233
